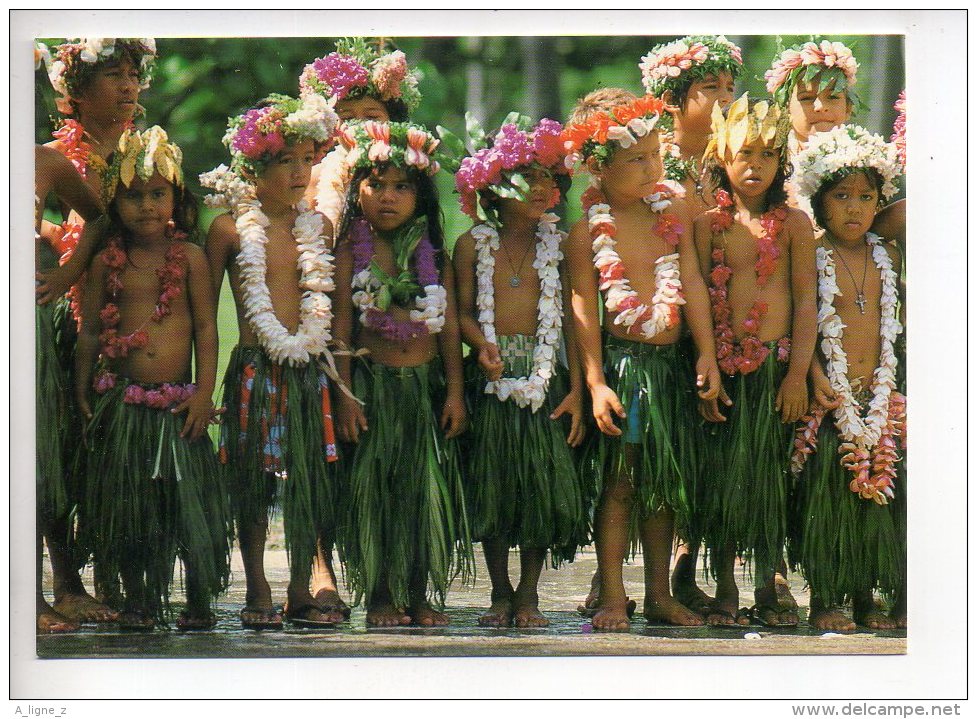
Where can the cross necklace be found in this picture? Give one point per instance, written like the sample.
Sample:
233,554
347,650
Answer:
860,297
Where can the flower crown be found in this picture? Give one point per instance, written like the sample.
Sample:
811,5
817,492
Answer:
838,152
402,144
255,137
623,125
744,125
141,154
357,70
75,59
899,128
682,62
517,145
832,61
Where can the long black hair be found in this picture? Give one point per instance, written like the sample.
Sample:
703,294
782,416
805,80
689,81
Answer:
817,199
185,213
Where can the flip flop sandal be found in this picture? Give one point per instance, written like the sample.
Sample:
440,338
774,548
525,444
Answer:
136,622
584,611
299,618
187,623
269,618
756,616
729,615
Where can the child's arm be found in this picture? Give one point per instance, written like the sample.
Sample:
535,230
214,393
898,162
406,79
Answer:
464,259
86,351
824,394
63,179
53,283
350,420
890,223
573,402
220,247
702,239
792,396
453,416
203,309
586,326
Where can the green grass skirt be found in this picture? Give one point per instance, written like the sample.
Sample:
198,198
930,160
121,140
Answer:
656,386
51,417
303,484
521,478
844,544
152,496
747,480
406,509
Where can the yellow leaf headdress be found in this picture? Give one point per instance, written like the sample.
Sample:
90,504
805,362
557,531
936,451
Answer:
744,125
140,154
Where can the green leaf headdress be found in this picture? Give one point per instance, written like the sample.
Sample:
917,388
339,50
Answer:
825,61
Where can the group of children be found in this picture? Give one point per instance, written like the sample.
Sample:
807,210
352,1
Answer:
748,395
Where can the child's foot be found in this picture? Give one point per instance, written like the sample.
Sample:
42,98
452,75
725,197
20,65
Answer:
690,595
867,612
84,608
830,619
898,614
668,610
526,614
592,601
261,618
195,621
775,605
302,610
330,601
612,617
424,615
499,614
50,622
386,615
723,611
136,620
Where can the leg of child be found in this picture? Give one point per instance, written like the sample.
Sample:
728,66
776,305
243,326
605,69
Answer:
497,560
258,610
70,598
324,587
421,612
657,532
301,606
867,612
725,607
613,516
826,618
775,604
134,615
899,609
380,609
48,620
684,588
525,603
198,615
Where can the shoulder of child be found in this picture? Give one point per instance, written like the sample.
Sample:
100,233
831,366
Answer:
798,222
222,228
895,254
580,231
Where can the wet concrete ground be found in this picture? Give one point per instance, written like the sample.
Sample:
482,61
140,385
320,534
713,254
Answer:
560,592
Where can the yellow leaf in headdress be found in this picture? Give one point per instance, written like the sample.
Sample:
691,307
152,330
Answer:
737,124
130,144
718,139
164,166
152,138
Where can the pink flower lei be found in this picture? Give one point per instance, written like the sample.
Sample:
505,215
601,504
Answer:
829,55
749,353
164,396
899,128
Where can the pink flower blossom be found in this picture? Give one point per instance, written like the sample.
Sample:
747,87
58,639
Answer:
388,72
340,74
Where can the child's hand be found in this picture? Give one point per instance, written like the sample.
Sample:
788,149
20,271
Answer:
454,418
606,402
792,399
81,399
351,421
708,381
51,284
199,408
824,394
490,361
709,408
572,404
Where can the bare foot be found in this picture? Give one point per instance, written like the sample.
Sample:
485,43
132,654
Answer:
329,601
688,593
867,612
499,614
195,621
612,618
829,619
84,608
592,601
668,610
424,615
386,615
50,622
527,614
775,605
136,620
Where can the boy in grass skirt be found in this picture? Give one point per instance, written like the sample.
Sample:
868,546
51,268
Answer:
759,256
522,483
406,532
639,261
153,490
849,529
276,444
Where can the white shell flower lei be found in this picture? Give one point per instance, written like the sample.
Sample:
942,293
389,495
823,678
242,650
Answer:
617,289
525,391
863,433
333,180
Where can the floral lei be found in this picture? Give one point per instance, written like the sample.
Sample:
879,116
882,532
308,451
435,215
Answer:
372,292
662,314
868,448
694,56
749,353
899,128
623,126
833,61
525,391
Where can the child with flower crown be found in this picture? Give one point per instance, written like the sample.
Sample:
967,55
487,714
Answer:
406,531
523,486
277,442
153,490
692,74
641,261
98,81
759,256
849,530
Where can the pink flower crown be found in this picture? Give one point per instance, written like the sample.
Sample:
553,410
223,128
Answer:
832,56
402,144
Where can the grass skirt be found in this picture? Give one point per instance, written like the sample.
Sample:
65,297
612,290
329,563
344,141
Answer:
521,480
51,417
152,496
406,499
655,385
842,543
748,481
273,448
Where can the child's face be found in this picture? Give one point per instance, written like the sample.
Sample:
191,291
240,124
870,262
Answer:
362,108
812,111
388,198
849,207
752,170
111,94
146,207
702,95
287,175
633,172
542,196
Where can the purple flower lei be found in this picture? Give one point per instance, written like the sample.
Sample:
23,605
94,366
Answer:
427,274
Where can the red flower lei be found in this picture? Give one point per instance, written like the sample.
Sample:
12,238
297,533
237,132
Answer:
749,353
73,145
169,275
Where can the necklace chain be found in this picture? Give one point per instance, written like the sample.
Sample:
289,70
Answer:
516,279
860,296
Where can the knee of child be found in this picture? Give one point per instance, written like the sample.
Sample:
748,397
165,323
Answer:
619,491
